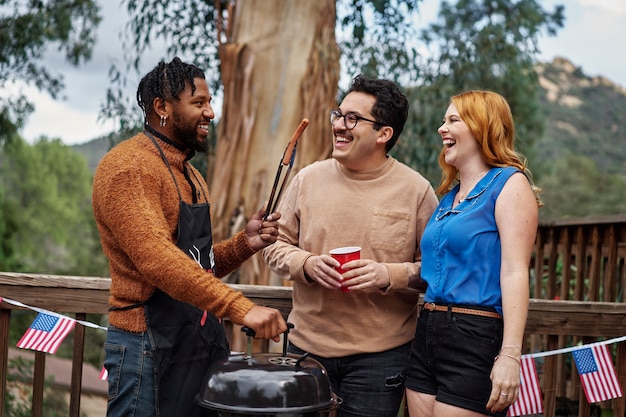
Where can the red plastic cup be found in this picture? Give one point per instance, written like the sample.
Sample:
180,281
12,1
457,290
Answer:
343,255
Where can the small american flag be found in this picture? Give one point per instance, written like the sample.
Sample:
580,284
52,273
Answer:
104,374
597,373
529,400
46,333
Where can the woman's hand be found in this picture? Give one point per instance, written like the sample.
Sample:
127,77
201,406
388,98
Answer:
505,380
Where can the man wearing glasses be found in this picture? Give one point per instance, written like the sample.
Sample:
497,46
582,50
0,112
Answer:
358,323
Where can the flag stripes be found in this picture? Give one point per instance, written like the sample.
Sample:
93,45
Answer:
104,374
529,400
46,333
597,374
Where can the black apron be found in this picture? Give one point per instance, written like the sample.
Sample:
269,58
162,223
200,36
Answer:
186,340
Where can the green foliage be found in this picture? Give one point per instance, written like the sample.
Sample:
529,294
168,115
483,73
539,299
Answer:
574,186
477,45
27,29
8,229
377,38
187,27
47,225
20,321
47,188
13,113
20,372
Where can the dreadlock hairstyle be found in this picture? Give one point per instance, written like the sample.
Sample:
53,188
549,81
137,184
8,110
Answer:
391,107
166,81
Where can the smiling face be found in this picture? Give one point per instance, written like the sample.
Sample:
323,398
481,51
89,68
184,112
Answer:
363,147
191,116
460,146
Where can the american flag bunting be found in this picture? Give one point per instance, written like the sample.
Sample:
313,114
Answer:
46,333
104,374
529,400
597,374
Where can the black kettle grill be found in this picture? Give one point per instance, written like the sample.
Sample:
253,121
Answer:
268,384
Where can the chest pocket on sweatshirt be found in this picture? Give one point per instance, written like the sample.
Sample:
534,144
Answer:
389,229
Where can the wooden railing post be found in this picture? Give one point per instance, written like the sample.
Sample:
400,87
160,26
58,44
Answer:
549,375
619,404
77,365
5,325
39,376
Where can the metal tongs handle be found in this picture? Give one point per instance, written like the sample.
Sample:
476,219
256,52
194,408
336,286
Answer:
289,155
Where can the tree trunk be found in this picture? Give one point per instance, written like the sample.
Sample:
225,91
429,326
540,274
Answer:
280,64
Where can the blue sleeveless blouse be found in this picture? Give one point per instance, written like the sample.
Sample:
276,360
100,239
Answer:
461,253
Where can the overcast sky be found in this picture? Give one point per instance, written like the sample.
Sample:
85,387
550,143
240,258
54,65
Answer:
593,39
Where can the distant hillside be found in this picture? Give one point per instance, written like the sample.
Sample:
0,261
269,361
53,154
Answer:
95,149
584,116
580,160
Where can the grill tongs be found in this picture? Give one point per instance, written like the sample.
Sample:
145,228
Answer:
289,155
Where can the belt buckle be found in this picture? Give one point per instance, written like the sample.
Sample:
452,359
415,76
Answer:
429,306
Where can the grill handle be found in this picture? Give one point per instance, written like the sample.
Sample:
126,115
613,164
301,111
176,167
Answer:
251,333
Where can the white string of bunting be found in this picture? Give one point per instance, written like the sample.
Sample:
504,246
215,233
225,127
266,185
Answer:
52,313
573,348
528,355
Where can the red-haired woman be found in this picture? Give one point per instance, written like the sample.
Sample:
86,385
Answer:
476,253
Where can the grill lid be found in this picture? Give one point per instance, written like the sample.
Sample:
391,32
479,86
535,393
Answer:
267,382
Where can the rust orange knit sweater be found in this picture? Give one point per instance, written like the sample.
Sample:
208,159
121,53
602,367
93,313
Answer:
136,207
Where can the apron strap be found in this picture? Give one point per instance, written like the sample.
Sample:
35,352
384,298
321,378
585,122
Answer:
149,135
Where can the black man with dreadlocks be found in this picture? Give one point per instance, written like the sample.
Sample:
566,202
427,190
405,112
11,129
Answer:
152,210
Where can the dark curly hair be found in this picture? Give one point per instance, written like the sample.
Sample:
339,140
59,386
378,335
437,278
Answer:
166,81
391,107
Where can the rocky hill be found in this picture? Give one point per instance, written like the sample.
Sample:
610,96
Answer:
584,116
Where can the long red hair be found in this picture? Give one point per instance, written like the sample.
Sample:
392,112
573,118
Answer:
489,118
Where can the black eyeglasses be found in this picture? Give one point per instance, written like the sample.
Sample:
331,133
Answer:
350,119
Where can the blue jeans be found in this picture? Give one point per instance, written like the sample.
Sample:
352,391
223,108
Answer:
370,384
129,362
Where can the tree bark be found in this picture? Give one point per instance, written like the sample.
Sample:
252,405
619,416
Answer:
280,64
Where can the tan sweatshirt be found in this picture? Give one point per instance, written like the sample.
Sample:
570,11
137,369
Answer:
136,207
384,211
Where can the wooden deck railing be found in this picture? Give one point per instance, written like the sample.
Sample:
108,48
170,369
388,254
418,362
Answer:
577,280
580,259
80,295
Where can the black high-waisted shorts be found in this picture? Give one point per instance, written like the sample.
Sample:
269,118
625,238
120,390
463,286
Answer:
452,357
